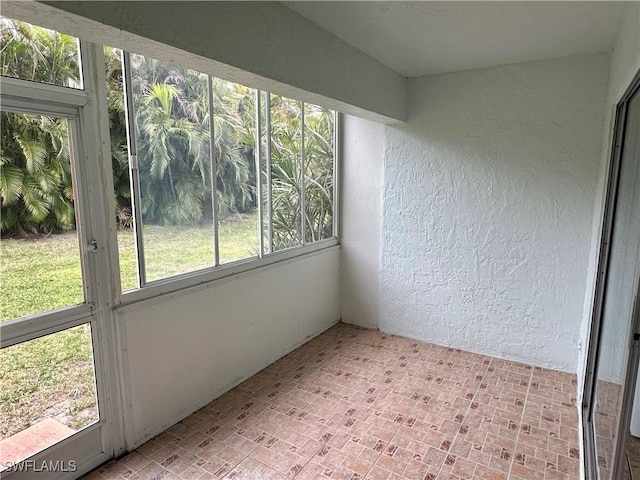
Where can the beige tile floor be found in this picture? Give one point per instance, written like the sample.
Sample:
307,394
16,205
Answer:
355,403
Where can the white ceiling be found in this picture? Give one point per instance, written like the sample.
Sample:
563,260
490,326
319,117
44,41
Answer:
425,38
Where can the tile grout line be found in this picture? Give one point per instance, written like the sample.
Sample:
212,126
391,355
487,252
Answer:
258,445
380,454
385,446
237,464
405,462
373,464
414,409
465,415
458,431
232,466
454,440
308,461
524,407
324,444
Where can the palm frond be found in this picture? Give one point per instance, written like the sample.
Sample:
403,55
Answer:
11,178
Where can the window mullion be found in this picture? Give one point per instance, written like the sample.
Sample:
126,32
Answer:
258,155
214,173
134,174
268,174
336,174
302,176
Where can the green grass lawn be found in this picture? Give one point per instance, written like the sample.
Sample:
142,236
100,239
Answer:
53,375
174,250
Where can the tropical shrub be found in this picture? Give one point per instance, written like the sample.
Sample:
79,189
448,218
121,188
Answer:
35,173
173,146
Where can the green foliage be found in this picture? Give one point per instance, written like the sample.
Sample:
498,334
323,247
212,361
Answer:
118,136
35,53
318,174
172,133
234,139
287,187
35,174
171,106
35,171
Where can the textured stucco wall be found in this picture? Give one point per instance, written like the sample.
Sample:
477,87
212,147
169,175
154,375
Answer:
488,197
361,220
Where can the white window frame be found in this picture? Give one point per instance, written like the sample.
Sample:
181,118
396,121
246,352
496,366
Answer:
106,438
157,288
109,301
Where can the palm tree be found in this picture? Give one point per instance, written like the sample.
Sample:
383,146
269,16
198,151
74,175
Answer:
234,139
170,147
287,185
35,175
172,129
173,141
118,136
35,53
318,173
35,171
172,121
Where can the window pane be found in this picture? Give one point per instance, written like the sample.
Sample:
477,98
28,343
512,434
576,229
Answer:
318,149
286,135
39,248
120,165
619,300
172,132
48,391
34,53
235,135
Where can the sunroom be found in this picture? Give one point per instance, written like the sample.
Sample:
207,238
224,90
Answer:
320,240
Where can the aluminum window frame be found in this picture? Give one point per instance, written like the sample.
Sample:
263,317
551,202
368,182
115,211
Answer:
134,172
35,97
266,253
269,199
214,172
257,155
93,187
303,177
30,327
589,388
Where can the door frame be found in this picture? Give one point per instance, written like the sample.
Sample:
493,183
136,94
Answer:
93,188
588,392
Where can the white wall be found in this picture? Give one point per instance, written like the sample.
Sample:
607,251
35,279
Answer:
488,197
361,220
184,350
625,63
263,45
